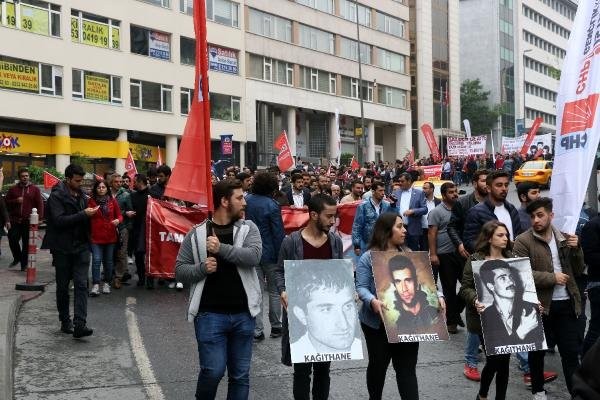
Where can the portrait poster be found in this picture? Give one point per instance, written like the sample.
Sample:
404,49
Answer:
511,321
404,283
322,312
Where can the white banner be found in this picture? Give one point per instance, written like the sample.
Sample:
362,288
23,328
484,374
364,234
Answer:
467,127
576,106
159,46
463,147
541,144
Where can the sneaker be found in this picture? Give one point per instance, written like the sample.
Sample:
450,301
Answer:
172,285
66,326
117,283
95,290
471,373
81,331
129,261
275,332
539,396
179,286
106,288
259,338
549,376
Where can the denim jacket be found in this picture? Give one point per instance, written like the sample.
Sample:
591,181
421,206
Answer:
266,214
364,220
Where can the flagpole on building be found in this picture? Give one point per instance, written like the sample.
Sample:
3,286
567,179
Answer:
359,148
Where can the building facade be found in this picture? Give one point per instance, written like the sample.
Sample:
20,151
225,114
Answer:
435,70
525,45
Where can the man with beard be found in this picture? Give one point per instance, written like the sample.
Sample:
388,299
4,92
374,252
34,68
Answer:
527,192
416,314
356,192
367,182
218,258
556,259
298,195
509,320
316,241
323,185
157,190
411,207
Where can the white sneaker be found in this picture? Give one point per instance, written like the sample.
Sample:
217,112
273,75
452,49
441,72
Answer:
106,288
129,260
179,286
539,396
172,285
95,290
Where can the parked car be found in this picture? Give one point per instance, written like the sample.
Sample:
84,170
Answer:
539,171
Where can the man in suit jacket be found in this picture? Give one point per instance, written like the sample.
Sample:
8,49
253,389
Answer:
298,195
411,206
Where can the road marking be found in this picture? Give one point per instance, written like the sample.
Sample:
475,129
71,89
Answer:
151,386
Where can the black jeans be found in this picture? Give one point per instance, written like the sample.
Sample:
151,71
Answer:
321,381
561,321
593,332
424,242
140,265
73,266
498,366
451,271
413,242
404,360
18,241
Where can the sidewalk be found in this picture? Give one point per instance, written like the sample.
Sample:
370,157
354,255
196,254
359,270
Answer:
10,302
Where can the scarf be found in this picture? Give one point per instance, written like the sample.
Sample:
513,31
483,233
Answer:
103,201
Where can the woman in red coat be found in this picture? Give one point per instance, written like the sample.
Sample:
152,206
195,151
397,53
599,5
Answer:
104,236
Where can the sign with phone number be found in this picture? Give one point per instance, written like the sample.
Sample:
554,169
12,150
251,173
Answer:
94,33
32,19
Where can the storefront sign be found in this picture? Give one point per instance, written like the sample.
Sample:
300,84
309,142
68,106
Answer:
226,145
159,46
97,88
19,76
223,60
9,142
464,147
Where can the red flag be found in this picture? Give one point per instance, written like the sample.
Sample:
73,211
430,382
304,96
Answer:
130,168
531,135
430,138
99,178
411,156
158,158
354,164
49,180
293,219
281,140
346,214
285,160
166,226
190,180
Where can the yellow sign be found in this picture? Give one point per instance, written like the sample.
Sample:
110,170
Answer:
358,132
75,29
34,20
142,152
94,33
116,38
19,76
97,88
11,19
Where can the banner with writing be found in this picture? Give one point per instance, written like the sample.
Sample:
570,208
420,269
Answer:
464,147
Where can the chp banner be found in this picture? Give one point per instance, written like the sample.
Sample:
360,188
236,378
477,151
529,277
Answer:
430,138
166,226
577,132
464,147
532,131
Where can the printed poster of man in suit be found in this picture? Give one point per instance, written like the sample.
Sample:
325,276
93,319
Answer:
511,321
404,283
322,314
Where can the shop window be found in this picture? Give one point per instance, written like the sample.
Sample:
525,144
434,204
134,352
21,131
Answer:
98,87
150,96
30,76
31,16
150,43
95,30
224,107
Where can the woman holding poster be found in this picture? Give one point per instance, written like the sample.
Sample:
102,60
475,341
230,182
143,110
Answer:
389,234
493,243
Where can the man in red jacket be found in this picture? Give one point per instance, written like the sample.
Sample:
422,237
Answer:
21,199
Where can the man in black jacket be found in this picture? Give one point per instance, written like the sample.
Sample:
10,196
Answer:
590,243
298,195
68,238
139,201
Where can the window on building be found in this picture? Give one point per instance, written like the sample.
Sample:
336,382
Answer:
186,6
31,16
150,43
391,61
270,25
224,107
94,86
186,100
95,30
314,79
391,25
30,76
223,12
350,87
348,49
390,96
348,11
187,50
366,91
150,96
316,39
322,5
160,3
269,69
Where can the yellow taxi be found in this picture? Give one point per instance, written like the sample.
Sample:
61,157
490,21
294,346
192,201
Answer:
539,171
437,186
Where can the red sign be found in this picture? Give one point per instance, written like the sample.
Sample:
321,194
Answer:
432,171
295,219
531,135
49,180
430,138
579,115
285,160
166,226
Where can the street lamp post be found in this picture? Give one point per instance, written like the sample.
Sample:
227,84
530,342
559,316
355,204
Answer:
359,148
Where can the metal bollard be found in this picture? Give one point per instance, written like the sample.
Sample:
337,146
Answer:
30,283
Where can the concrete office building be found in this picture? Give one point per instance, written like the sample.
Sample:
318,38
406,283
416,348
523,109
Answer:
516,48
435,70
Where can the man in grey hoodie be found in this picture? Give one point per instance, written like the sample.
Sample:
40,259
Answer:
218,259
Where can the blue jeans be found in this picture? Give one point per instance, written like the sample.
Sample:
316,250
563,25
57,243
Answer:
102,254
523,362
268,271
472,350
224,340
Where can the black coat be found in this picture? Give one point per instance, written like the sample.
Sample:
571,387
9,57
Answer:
482,213
67,225
139,200
590,243
305,194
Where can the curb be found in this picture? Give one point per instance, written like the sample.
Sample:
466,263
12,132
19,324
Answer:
8,308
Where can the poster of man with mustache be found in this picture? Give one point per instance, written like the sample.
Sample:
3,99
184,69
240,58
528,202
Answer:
511,320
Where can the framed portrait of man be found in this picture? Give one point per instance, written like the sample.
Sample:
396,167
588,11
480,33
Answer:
322,312
511,321
404,283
